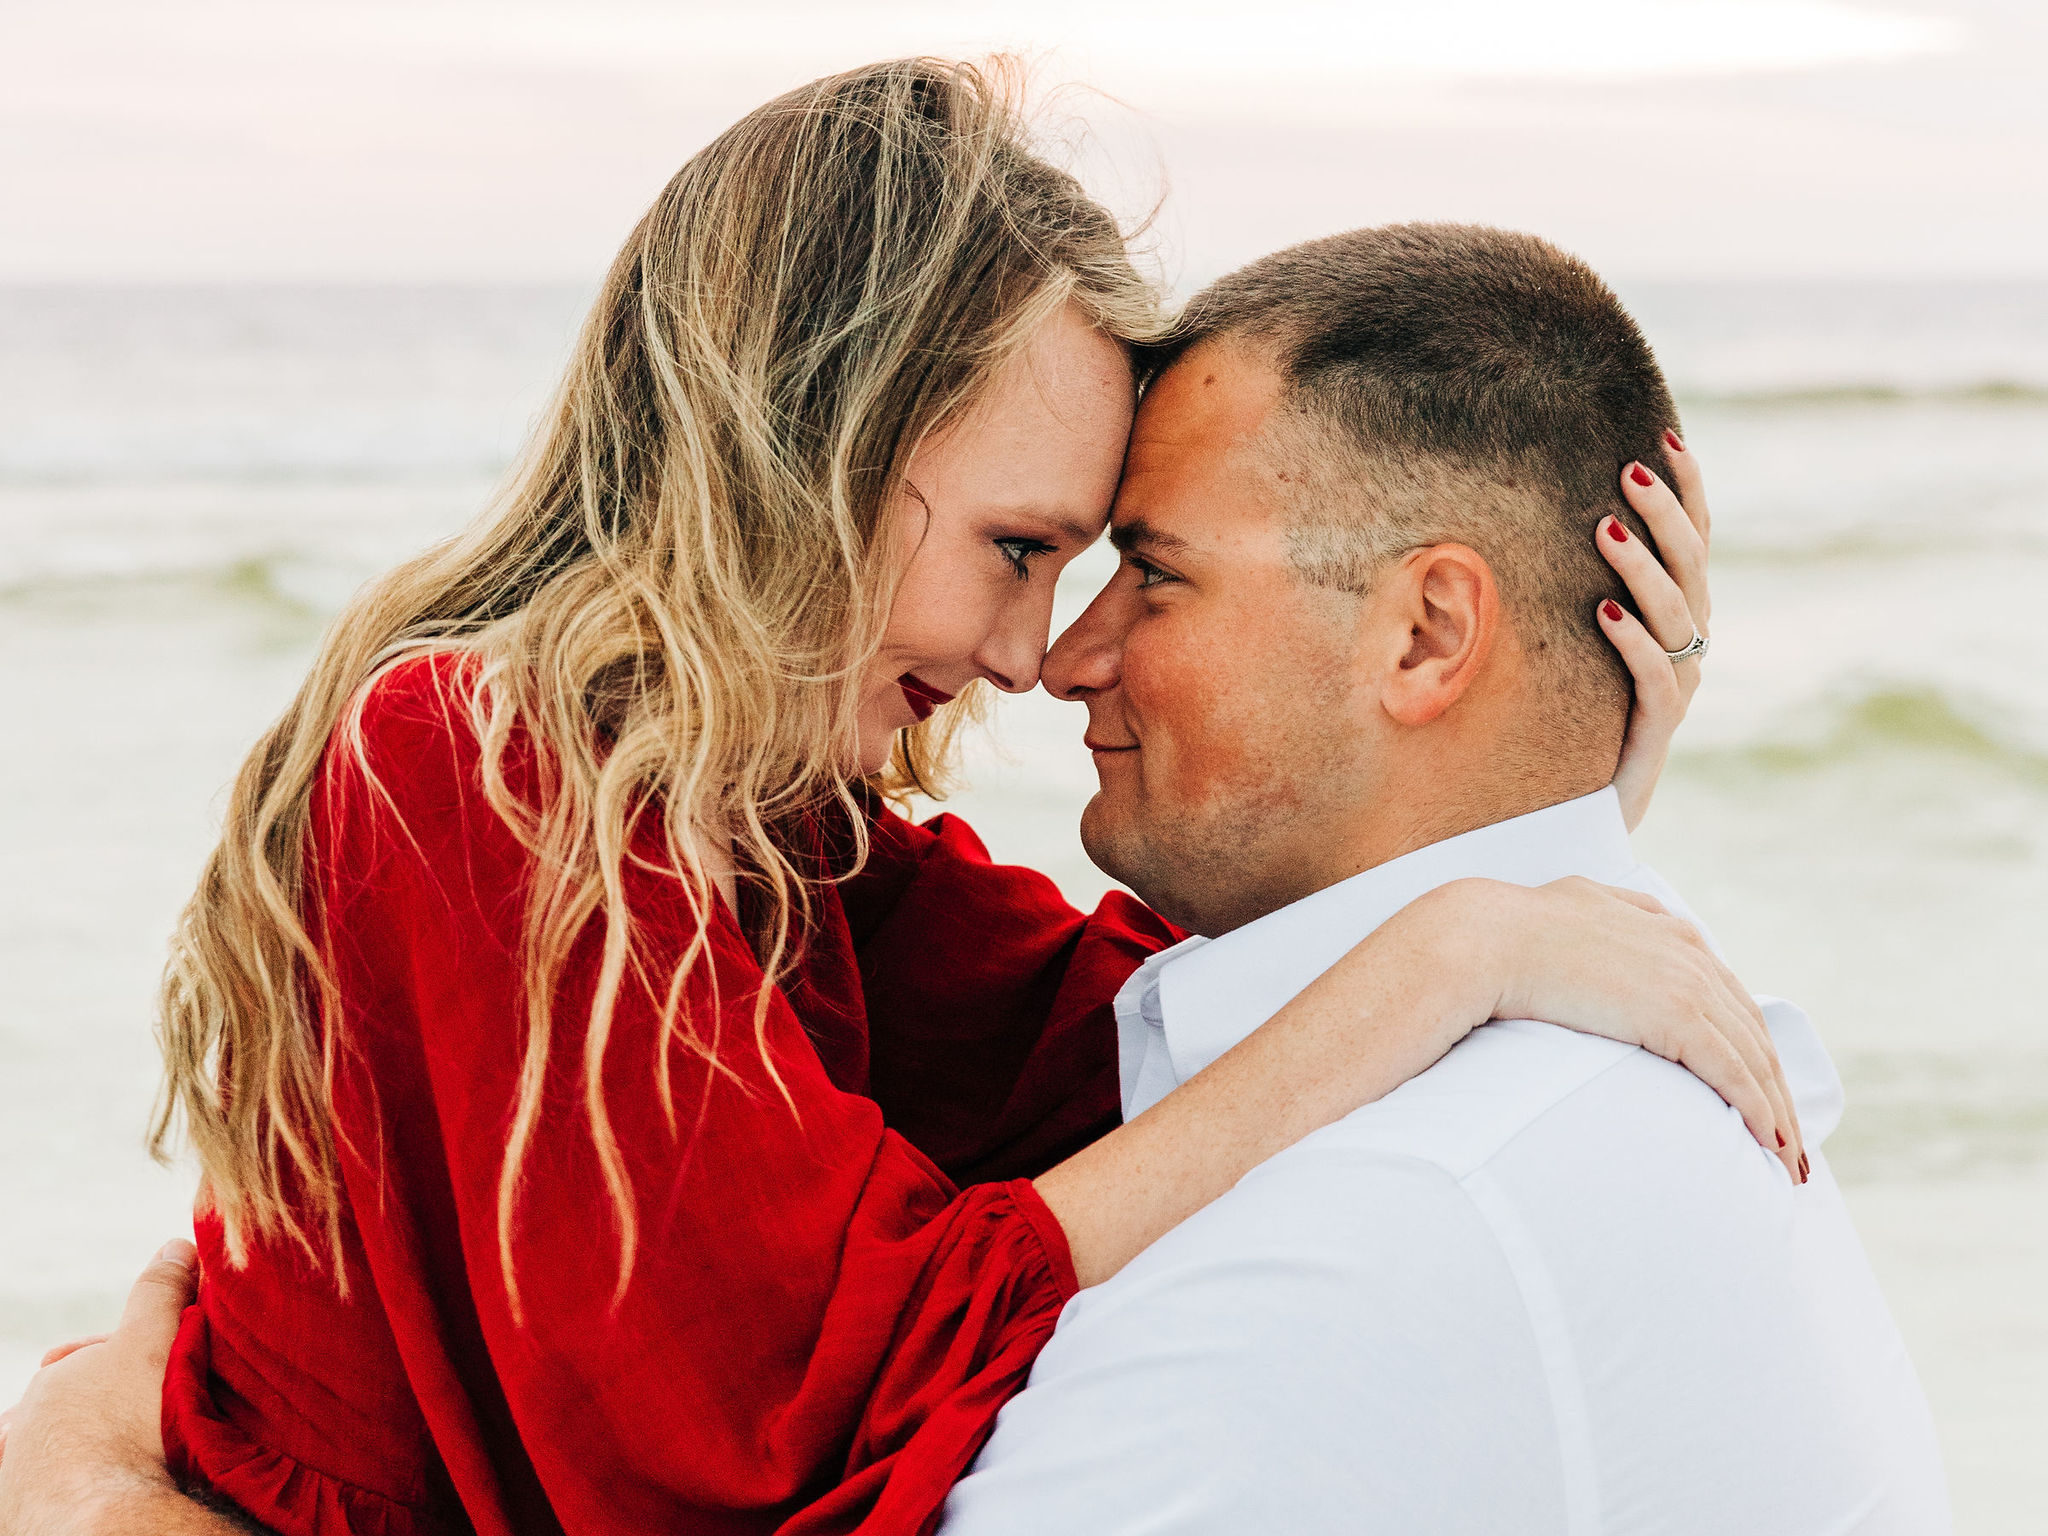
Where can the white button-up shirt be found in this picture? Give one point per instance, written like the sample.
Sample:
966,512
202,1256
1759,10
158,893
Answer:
1551,1285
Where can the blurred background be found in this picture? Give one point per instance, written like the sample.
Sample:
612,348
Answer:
282,285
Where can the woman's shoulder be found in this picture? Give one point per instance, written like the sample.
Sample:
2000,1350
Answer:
410,737
428,696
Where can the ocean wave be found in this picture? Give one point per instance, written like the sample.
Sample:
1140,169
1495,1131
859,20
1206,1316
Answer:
1870,546
1880,720
292,586
1921,1114
1996,392
202,474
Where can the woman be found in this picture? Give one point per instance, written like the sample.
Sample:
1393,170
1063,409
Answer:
614,1117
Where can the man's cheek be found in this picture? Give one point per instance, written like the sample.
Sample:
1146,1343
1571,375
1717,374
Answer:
1172,663
1202,742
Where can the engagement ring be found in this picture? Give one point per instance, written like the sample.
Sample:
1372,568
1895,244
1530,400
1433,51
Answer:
1698,647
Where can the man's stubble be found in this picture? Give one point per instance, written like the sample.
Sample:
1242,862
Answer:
1265,827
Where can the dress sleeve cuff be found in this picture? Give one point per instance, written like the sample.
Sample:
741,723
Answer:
206,1451
1052,1237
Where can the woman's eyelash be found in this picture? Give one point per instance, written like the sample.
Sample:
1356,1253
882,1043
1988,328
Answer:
1019,551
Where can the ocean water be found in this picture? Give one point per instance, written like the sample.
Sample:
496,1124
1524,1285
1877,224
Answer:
192,480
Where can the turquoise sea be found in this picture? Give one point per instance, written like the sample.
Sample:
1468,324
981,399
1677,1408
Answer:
191,480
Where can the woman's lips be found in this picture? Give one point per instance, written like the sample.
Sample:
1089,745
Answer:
921,696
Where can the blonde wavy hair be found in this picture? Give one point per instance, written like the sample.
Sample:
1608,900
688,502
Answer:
674,597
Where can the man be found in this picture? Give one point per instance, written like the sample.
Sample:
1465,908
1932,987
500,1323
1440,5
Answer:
1550,1285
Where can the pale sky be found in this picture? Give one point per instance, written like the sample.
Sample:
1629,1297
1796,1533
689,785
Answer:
441,140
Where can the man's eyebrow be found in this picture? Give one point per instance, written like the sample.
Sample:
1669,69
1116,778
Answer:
1136,533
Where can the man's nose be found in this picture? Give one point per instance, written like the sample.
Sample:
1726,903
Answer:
1088,656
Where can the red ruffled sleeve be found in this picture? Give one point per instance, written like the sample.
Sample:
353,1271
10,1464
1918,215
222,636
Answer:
818,1328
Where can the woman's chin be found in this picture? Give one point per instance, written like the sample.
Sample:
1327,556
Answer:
873,750
883,715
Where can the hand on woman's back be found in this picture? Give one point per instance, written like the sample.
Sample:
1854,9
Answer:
82,1453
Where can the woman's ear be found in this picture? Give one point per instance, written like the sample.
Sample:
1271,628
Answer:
1446,599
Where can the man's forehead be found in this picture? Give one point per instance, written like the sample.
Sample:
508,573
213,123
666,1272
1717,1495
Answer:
1215,394
1185,464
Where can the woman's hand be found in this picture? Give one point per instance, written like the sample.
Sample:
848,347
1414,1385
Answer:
1673,600
82,1451
1612,962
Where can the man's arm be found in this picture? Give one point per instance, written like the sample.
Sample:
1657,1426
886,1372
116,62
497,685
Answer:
82,1453
1336,1346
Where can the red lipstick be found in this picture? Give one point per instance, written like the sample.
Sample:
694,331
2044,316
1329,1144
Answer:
921,696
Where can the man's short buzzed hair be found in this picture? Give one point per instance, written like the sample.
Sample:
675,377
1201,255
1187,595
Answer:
1454,383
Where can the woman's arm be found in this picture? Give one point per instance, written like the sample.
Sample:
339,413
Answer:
1575,953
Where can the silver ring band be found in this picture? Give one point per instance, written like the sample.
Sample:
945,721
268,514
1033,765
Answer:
1698,647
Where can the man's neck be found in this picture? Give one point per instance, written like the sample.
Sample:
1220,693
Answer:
1392,823
1413,823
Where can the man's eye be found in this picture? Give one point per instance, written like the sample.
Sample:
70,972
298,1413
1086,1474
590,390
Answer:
1019,552
1149,575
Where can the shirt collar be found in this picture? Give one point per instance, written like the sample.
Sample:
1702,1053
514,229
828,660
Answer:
1205,995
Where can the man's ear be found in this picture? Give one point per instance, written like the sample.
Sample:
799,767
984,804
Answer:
1445,606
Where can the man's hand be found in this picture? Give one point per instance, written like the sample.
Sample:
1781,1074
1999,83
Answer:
83,1449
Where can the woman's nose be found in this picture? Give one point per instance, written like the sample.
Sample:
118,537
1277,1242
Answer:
1011,656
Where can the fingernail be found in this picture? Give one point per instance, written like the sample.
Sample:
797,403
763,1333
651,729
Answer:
1672,441
1805,1171
1640,475
1781,1138
1615,531
1613,611
177,1251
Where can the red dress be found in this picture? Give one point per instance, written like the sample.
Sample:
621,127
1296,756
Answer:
827,1309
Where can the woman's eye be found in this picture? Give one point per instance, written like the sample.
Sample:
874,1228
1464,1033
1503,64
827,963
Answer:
1019,552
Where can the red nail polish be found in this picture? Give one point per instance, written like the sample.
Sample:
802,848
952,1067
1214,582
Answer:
1640,475
1672,441
1805,1171
1781,1138
1616,532
1613,611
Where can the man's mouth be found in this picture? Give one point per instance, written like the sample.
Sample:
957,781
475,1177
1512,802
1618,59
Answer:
1108,746
921,696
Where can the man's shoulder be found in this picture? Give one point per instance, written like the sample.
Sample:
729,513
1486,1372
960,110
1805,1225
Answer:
1528,1092
1294,1353
1496,1086
1526,1108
